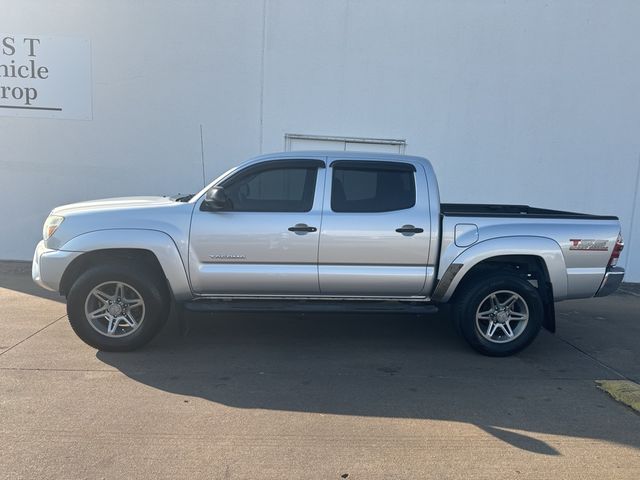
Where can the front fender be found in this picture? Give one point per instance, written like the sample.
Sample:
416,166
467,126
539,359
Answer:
159,243
545,248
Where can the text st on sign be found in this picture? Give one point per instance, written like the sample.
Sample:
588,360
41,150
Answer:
43,76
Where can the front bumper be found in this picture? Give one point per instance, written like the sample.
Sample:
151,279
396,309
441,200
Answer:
611,281
49,265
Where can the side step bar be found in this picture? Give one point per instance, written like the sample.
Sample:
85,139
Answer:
309,306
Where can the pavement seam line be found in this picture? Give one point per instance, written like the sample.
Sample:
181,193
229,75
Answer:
629,292
33,334
599,362
198,373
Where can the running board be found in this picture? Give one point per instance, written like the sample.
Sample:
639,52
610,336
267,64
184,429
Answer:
308,306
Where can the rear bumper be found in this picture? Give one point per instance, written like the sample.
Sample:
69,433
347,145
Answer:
49,265
611,281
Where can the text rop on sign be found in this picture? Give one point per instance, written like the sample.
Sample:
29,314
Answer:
45,76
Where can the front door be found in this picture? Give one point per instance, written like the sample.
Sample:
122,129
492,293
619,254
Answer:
265,241
375,229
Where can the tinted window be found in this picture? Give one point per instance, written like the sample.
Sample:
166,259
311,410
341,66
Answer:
372,190
273,190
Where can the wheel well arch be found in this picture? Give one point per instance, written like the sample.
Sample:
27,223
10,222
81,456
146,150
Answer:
529,267
145,258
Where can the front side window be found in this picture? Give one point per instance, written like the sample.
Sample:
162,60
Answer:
372,188
285,189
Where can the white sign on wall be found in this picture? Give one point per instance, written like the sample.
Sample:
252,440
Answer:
42,76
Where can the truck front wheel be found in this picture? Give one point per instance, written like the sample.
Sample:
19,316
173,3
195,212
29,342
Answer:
117,307
498,315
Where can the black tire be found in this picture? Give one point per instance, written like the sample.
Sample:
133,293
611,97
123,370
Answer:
476,292
147,282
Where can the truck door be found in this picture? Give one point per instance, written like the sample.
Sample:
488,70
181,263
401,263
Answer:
265,241
375,229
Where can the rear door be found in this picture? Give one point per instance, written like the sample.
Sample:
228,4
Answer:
375,229
265,242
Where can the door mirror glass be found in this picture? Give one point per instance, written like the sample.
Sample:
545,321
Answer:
215,199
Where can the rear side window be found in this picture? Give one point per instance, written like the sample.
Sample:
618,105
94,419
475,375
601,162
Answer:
372,189
273,190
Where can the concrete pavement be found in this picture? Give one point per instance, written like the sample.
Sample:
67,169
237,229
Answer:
313,396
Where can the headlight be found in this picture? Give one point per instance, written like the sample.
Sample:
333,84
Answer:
51,224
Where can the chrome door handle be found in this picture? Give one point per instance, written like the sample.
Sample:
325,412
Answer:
407,229
302,227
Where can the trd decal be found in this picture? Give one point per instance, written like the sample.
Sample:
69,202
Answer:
592,245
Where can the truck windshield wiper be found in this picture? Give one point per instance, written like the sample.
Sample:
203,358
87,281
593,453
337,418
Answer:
181,197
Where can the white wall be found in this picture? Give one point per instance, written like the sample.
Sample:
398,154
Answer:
515,102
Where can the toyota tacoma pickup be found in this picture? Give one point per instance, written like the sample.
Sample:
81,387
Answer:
328,231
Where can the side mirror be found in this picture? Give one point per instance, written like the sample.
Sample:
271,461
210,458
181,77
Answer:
215,199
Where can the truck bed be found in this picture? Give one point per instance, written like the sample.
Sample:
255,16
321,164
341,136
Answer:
495,210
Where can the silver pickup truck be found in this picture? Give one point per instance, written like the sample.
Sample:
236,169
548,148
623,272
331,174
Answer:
328,231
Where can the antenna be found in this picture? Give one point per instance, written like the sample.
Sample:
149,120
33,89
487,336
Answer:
204,178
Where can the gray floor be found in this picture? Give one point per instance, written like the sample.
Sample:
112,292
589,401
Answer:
313,396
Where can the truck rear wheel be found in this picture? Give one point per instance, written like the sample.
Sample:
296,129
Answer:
117,307
498,315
